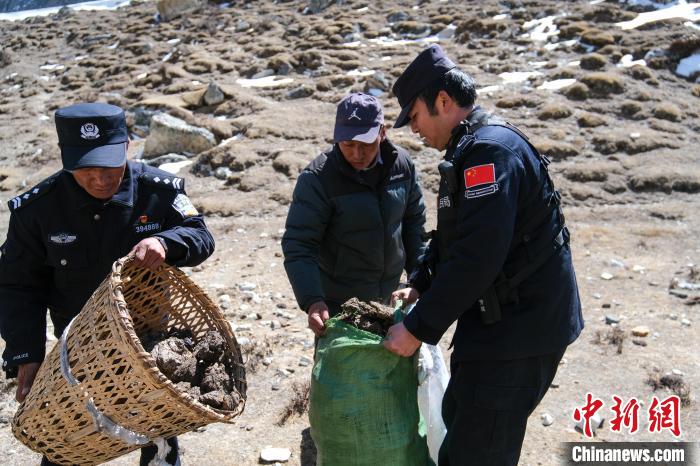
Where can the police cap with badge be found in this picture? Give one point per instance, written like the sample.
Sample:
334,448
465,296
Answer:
92,135
429,66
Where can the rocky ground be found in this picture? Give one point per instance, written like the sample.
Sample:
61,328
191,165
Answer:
240,96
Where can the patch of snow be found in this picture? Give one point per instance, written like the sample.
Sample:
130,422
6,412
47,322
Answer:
361,73
94,5
556,84
626,61
389,42
688,66
51,67
488,89
267,81
500,17
540,30
175,167
684,10
518,76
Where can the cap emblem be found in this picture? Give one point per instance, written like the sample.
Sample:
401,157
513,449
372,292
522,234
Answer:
354,115
89,131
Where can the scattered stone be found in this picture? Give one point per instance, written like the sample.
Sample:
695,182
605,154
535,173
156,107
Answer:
547,419
270,454
247,286
169,134
641,331
685,322
266,361
300,92
214,95
317,6
378,81
611,319
606,276
169,9
639,342
596,422
304,361
397,17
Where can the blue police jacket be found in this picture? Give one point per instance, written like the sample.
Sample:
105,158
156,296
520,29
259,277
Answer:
502,183
61,244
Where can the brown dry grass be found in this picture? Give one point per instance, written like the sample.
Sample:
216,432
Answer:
298,403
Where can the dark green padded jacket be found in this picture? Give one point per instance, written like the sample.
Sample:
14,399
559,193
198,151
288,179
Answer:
346,237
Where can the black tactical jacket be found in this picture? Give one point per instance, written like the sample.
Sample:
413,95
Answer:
61,244
502,184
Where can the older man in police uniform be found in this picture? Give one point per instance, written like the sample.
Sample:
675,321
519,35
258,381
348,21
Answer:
500,265
66,232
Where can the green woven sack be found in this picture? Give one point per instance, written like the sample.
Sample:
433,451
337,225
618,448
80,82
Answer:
363,408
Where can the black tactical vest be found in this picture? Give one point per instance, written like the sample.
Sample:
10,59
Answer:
543,239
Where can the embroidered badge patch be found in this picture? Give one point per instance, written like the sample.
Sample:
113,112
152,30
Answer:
63,238
183,205
480,181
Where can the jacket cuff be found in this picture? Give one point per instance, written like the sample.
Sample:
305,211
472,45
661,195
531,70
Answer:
306,304
418,327
14,358
175,249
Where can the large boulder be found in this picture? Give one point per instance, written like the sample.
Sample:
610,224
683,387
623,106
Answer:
169,9
172,135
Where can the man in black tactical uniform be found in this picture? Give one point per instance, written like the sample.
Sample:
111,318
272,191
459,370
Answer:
499,263
66,232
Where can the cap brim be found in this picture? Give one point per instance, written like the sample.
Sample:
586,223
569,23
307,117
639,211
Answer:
403,116
356,133
107,156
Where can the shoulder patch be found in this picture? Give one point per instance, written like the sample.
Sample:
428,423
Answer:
34,193
163,181
480,180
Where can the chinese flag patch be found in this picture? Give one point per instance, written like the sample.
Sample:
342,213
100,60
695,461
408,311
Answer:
481,174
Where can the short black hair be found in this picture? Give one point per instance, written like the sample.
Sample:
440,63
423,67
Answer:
458,85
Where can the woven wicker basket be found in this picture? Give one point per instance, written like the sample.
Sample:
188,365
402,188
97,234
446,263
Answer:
108,379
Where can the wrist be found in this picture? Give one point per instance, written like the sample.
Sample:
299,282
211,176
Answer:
162,242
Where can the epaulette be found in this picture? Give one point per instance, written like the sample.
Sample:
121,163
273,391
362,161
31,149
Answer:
163,181
34,193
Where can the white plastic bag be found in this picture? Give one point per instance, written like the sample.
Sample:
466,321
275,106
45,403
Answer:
432,382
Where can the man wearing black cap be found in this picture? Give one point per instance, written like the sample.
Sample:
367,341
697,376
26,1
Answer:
499,264
66,232
356,219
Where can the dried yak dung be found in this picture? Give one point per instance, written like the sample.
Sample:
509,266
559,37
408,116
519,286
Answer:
370,317
201,370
